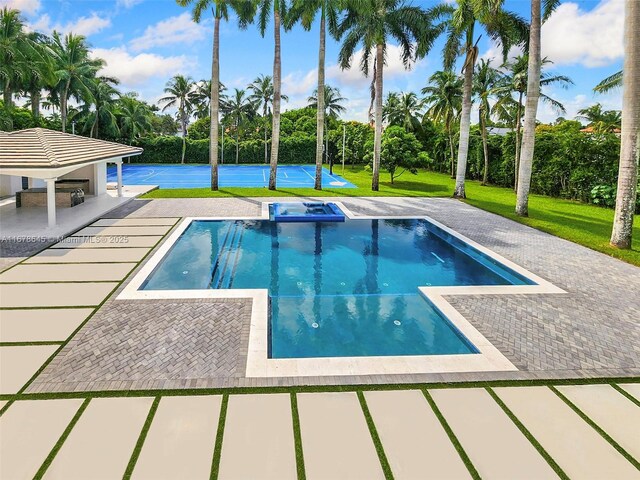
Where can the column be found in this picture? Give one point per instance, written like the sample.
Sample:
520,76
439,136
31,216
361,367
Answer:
119,172
51,201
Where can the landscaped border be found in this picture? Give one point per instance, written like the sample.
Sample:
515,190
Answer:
488,358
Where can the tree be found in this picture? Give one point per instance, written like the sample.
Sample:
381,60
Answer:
305,11
401,152
373,23
403,110
238,109
262,95
612,82
505,27
600,120
180,95
444,102
38,71
333,108
15,49
104,97
485,82
621,235
134,117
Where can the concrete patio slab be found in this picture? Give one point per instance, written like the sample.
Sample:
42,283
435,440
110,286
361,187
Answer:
181,439
491,440
101,443
128,231
18,364
3,403
28,432
632,389
49,325
20,295
108,241
89,255
415,443
611,411
335,438
85,272
579,450
258,438
136,222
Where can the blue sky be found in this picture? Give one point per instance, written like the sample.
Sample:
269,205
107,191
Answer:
145,42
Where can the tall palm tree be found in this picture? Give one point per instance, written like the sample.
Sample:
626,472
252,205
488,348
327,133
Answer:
104,101
279,10
485,81
134,117
262,95
305,11
220,9
16,48
403,110
74,70
333,108
612,82
506,27
443,100
372,23
179,92
238,109
600,120
621,235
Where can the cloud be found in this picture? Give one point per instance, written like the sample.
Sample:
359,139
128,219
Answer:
28,7
592,39
178,30
494,53
127,3
299,83
134,70
82,26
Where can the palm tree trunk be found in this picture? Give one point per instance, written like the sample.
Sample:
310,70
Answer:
517,159
183,123
530,112
465,126
485,147
215,104
320,102
275,128
237,142
35,104
377,141
451,151
266,140
7,97
630,145
63,106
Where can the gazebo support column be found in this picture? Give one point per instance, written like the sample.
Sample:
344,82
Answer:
119,174
51,201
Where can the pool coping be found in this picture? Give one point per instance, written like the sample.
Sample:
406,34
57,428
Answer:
488,358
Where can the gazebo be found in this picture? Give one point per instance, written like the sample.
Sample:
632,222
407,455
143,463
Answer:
48,156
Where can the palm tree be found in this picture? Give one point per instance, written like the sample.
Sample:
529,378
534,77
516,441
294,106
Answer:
621,235
262,95
612,82
134,117
403,110
74,70
485,81
373,23
306,10
239,108
180,95
506,27
444,103
15,49
220,10
333,108
278,9
38,72
600,120
104,100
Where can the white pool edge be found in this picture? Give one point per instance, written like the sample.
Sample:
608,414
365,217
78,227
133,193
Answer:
488,358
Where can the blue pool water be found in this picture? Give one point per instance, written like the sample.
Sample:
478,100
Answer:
199,176
336,289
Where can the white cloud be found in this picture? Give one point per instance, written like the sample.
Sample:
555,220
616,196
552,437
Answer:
494,53
81,26
299,83
593,39
134,70
127,3
28,7
178,30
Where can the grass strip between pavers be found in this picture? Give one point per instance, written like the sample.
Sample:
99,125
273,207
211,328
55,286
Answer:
597,428
452,436
525,431
217,450
297,438
56,448
140,443
626,394
384,461
30,344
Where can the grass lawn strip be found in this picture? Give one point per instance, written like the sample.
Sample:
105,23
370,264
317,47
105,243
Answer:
384,462
297,437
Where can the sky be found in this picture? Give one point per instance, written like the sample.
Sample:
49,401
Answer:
146,42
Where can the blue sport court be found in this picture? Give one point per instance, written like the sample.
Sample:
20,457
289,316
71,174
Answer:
198,176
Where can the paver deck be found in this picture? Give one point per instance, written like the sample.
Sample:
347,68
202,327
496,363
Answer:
258,438
86,255
181,439
24,295
579,450
493,442
632,389
413,438
28,432
101,443
136,222
48,325
80,272
335,438
133,231
18,364
108,241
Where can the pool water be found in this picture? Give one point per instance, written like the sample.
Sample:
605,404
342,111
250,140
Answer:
336,289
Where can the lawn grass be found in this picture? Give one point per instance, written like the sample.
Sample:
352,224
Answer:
584,224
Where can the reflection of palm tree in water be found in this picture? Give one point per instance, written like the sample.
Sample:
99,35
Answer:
275,264
317,272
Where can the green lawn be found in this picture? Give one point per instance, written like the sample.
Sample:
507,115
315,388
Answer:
587,225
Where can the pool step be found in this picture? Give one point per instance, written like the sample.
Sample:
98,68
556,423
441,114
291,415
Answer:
227,259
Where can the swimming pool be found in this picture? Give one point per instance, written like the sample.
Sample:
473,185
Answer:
336,289
199,176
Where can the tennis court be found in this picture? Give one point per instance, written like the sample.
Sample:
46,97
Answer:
198,176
